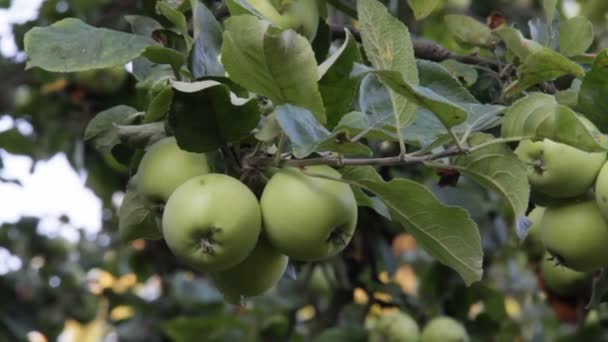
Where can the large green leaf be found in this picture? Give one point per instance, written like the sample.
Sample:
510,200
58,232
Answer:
422,8
135,219
426,127
307,135
448,112
447,233
498,168
207,42
467,30
516,42
593,95
71,45
143,67
541,66
224,118
279,66
540,116
338,88
575,36
177,18
374,101
388,46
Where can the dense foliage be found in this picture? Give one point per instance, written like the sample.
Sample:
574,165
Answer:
444,122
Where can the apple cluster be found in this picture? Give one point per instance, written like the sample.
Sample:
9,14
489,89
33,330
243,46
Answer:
401,327
216,224
569,188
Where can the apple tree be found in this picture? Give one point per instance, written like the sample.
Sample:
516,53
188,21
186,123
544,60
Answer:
330,170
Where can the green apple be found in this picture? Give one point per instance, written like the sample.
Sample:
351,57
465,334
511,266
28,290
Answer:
444,329
576,235
563,281
300,15
262,269
558,170
308,218
394,327
165,166
212,222
533,244
601,190
102,81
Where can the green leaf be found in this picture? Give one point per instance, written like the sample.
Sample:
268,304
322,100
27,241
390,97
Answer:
363,200
446,233
225,119
70,45
540,116
498,168
162,55
307,135
388,46
422,8
177,18
575,36
541,66
135,220
467,30
426,127
140,136
516,42
374,101
351,334
593,95
464,72
549,7
207,42
143,67
211,328
159,105
449,113
281,67
102,128
142,25
338,88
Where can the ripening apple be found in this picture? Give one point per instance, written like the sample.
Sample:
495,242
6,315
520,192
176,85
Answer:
259,272
212,222
558,170
165,166
308,218
444,329
102,81
563,281
393,327
601,190
533,244
576,234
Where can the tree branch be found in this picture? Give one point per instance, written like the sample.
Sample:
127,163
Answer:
426,49
408,159
252,161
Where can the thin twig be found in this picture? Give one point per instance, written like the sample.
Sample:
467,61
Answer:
337,161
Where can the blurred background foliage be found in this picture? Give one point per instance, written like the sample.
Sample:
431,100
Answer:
97,288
